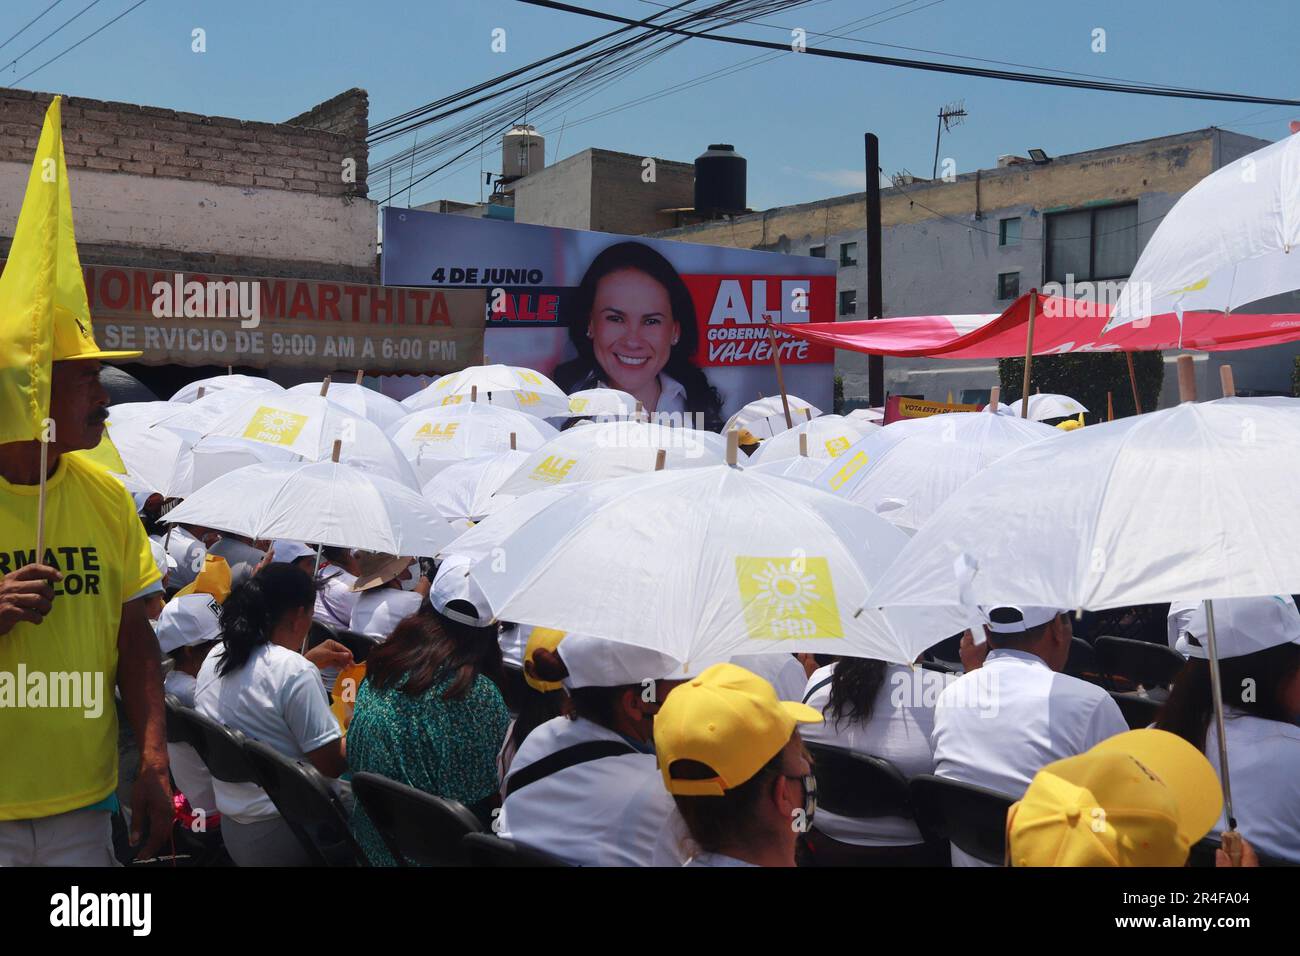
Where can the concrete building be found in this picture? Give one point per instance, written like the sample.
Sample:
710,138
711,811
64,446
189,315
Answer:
971,245
605,191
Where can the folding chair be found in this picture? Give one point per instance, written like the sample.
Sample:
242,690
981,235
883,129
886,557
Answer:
486,850
863,787
178,730
1138,663
308,804
359,644
974,819
1138,711
417,827
1082,662
220,748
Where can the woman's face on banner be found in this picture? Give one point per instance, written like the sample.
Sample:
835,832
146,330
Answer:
632,328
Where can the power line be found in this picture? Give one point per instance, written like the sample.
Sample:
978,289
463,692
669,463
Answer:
933,67
29,23
81,41
47,36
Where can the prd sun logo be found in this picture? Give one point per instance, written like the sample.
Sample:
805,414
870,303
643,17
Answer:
788,597
274,426
837,446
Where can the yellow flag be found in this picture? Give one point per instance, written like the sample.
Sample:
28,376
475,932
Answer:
28,288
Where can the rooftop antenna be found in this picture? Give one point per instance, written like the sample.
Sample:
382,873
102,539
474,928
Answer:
949,116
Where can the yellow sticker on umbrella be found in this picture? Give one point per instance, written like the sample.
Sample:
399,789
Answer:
275,426
788,597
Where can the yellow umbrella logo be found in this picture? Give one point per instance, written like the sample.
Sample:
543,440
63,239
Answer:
788,598
275,426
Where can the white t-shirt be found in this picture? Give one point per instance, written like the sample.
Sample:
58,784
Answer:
899,729
379,610
998,726
188,552
277,698
782,671
335,600
612,811
1264,769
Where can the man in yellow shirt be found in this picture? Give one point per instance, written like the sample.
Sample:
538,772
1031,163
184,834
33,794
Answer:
73,626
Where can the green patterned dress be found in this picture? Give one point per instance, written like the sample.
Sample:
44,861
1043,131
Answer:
444,747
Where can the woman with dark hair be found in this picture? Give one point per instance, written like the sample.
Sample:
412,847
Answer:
1258,641
429,715
257,682
633,324
882,710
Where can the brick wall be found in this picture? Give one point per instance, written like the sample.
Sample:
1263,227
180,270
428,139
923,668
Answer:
151,141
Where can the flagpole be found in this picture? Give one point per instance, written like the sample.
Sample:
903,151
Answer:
40,504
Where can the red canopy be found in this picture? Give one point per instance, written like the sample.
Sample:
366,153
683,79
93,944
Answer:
1062,325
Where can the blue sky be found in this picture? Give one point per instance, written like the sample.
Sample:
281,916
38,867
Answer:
798,119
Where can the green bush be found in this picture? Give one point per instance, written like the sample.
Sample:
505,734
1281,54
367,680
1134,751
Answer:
1088,376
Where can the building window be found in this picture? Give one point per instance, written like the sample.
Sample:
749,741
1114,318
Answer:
848,253
1092,244
848,302
1008,285
817,252
1009,232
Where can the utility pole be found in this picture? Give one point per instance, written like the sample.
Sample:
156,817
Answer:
875,294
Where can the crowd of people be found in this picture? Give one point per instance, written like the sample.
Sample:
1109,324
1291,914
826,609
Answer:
593,752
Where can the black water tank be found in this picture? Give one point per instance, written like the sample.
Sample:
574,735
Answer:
720,181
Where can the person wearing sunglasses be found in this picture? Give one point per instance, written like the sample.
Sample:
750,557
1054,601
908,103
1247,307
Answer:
731,756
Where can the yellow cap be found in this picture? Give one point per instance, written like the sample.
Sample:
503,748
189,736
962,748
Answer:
214,579
1140,798
1069,425
746,437
548,638
728,719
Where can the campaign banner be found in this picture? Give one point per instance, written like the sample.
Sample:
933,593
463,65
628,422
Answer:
898,408
193,319
684,328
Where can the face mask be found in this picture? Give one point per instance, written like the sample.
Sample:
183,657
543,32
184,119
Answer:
409,583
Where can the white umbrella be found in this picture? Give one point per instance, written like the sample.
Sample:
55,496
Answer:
213,456
593,402
146,412
461,491
798,468
906,470
706,563
197,418
309,425
766,417
827,437
150,454
1047,405
222,383
433,438
1188,503
509,386
611,450
323,502
873,415
365,402
1229,240
487,536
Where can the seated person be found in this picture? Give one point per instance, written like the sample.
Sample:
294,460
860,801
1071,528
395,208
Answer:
428,716
998,725
257,682
1258,643
190,626
539,700
335,597
585,787
383,598
881,710
1140,798
741,778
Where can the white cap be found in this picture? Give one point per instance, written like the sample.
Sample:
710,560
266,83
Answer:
1023,617
1244,626
141,499
1180,615
453,583
596,662
188,620
161,558
379,610
287,551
